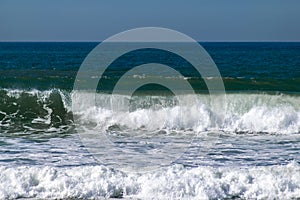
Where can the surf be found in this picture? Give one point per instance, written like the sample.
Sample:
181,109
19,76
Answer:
34,111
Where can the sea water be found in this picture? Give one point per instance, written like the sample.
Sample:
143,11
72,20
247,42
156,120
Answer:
248,150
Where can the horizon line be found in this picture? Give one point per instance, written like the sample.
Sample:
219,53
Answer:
95,41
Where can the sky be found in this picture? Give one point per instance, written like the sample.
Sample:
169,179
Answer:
96,20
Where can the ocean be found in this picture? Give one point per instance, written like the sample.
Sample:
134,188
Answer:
250,151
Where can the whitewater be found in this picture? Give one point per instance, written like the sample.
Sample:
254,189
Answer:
251,152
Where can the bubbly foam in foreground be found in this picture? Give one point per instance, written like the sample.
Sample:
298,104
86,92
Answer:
272,182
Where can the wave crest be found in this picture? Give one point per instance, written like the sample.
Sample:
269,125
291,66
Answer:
34,111
244,113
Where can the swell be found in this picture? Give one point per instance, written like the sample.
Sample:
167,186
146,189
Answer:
65,81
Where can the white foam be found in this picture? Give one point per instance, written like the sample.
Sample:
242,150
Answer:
277,114
280,182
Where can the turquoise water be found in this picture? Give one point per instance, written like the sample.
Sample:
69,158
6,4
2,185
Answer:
251,150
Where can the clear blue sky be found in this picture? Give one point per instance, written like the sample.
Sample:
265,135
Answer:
95,20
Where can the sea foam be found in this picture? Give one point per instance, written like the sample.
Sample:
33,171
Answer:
242,113
174,182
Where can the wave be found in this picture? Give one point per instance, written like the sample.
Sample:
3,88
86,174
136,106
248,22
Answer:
26,112
242,113
65,81
240,83
174,182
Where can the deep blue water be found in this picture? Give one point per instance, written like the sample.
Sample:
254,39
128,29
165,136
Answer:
243,66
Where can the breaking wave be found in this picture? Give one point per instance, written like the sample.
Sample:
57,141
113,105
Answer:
34,111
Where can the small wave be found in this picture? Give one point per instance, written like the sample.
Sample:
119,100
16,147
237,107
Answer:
174,182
